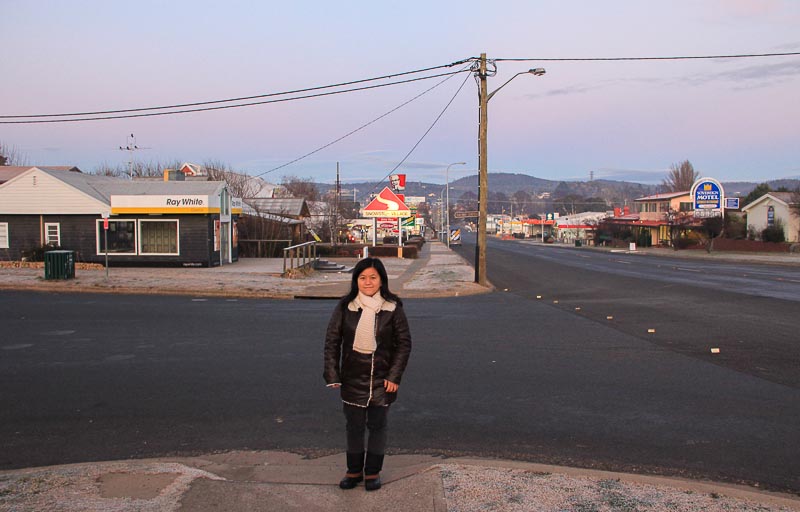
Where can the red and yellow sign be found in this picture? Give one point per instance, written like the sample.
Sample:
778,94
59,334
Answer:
386,204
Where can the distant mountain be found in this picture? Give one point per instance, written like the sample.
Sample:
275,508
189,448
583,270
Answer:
742,188
613,192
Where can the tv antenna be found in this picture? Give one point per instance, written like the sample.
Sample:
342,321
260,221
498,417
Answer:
130,147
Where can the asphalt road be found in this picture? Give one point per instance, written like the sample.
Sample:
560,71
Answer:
87,377
748,311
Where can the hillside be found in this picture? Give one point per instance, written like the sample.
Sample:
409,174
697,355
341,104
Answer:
613,192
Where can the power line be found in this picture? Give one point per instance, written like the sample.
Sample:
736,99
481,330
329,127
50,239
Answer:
230,100
451,75
685,57
426,132
206,109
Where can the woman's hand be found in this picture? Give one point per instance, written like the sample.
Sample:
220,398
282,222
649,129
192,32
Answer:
390,386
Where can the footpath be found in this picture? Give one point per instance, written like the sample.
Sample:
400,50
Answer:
277,481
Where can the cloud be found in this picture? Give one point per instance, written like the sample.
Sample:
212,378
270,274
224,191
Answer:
761,75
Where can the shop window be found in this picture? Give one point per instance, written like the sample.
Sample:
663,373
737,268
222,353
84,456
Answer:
4,235
121,237
52,234
158,237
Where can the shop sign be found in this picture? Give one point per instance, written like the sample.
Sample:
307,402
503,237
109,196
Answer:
707,194
731,203
121,204
386,204
708,198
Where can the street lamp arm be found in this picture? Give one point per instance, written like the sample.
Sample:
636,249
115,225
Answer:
533,71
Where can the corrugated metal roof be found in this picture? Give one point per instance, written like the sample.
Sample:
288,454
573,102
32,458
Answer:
790,198
289,207
103,187
86,183
668,195
155,188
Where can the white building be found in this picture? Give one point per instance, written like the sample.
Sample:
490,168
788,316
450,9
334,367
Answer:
771,208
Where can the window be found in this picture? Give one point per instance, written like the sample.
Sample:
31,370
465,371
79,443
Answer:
4,235
52,234
158,237
121,237
686,207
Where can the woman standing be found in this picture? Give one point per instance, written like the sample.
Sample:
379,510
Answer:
367,345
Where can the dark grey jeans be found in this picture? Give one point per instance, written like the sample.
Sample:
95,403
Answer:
359,419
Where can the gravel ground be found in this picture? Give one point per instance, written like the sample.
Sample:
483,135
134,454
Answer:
158,487
79,488
476,489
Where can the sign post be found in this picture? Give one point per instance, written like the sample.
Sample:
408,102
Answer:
105,238
387,204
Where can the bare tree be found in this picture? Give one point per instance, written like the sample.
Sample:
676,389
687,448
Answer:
301,187
680,178
239,184
135,169
9,155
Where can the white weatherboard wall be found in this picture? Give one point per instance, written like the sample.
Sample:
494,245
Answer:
36,192
757,213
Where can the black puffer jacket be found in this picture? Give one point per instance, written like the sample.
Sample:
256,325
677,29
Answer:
362,375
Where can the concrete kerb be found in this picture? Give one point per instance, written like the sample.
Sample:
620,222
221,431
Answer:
239,481
438,272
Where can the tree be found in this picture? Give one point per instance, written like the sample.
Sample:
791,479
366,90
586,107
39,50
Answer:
468,201
301,187
239,184
521,200
680,178
135,169
760,190
9,155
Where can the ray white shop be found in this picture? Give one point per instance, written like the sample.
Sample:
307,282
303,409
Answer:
158,223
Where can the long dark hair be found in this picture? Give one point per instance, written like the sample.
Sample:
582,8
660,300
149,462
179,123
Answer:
377,264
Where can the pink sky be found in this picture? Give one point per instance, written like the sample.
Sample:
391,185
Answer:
736,120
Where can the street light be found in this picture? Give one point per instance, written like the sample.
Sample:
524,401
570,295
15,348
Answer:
447,203
483,171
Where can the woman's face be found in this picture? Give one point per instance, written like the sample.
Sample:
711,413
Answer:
369,282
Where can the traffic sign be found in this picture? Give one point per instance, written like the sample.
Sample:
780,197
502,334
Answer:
466,215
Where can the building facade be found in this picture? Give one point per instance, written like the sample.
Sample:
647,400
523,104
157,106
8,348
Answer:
158,223
774,208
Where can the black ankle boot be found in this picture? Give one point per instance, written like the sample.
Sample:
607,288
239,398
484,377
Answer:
372,468
348,482
373,484
355,466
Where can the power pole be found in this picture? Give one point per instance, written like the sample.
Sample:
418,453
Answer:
483,175
336,205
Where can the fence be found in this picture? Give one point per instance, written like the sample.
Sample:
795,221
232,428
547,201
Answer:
295,254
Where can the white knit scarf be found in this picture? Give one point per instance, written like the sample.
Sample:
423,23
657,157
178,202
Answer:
365,342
